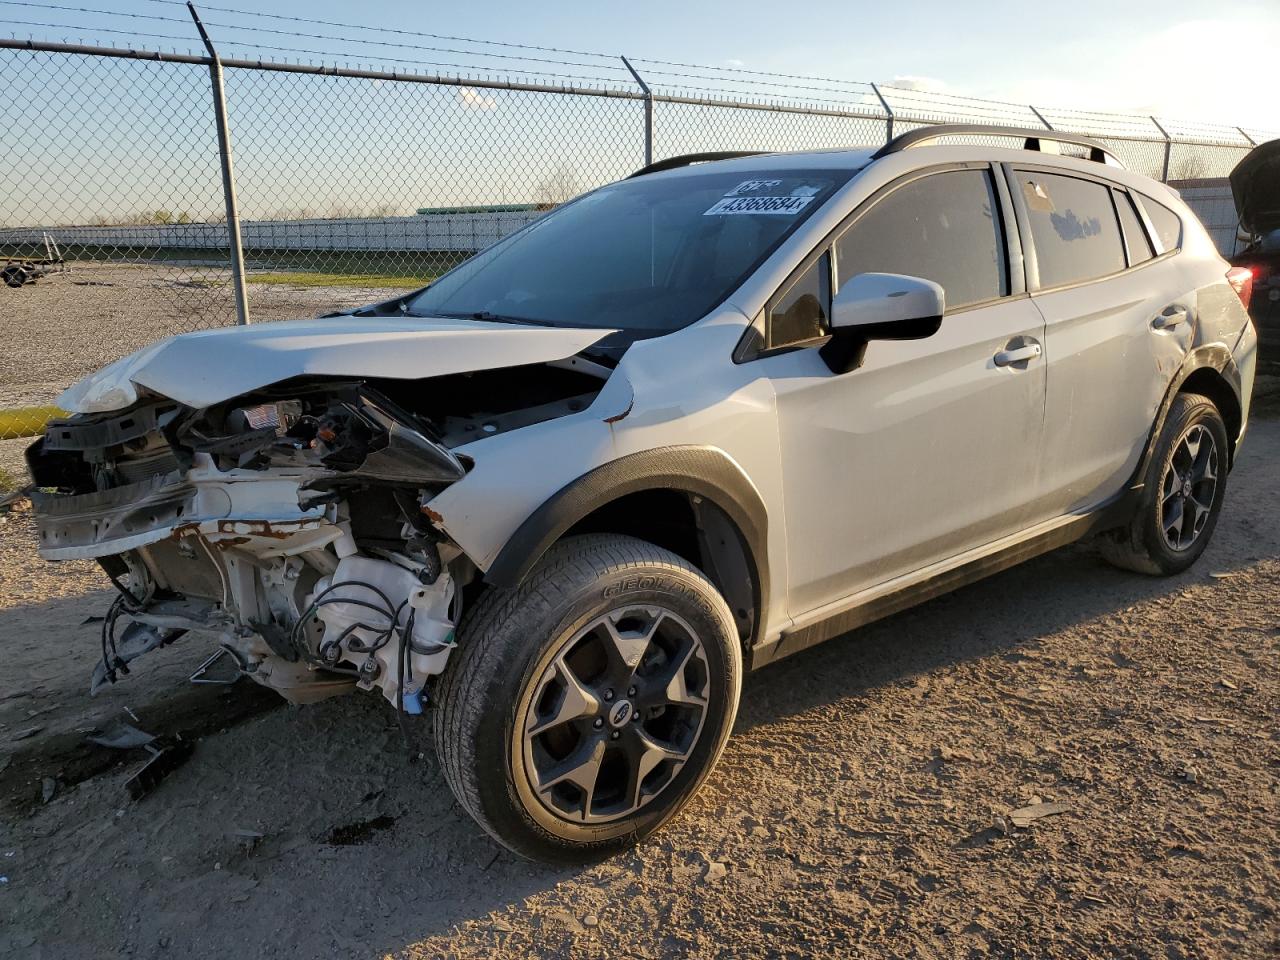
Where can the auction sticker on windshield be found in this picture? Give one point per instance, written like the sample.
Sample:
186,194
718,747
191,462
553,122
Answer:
783,206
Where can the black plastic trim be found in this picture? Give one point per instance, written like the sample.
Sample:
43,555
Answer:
703,471
684,160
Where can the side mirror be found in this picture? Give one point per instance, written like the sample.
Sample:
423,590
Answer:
880,306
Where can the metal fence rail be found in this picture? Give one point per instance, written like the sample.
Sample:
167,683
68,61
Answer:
349,184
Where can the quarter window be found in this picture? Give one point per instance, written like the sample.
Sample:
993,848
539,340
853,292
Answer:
800,314
1073,226
1135,234
1168,225
944,227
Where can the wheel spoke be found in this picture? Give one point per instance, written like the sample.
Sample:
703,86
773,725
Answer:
581,768
676,688
1204,466
1173,519
627,647
576,701
645,752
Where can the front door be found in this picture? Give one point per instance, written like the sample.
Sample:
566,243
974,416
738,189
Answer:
930,447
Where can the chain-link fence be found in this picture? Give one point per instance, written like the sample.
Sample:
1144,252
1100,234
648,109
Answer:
352,184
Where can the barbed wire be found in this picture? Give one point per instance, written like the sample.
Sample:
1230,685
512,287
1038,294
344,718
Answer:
737,81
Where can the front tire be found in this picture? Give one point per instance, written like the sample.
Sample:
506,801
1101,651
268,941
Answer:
1182,493
586,706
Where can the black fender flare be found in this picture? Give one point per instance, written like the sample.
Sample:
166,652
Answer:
1210,356
701,471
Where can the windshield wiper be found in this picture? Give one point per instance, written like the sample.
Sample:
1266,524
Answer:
497,318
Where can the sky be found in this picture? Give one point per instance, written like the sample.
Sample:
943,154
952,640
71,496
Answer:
307,145
1177,58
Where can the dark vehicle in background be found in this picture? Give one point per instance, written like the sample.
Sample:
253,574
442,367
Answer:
1255,186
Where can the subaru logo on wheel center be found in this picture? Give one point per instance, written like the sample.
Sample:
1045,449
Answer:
620,712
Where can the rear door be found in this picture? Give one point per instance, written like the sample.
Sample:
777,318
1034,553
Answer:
1117,325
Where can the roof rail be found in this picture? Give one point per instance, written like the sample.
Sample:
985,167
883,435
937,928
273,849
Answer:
1032,139
671,163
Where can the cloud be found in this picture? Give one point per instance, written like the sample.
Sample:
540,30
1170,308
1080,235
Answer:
923,84
473,99
735,63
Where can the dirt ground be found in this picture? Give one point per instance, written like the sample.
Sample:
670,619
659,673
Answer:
861,809
69,325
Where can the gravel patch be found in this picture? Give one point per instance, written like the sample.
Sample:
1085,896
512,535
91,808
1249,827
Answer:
67,326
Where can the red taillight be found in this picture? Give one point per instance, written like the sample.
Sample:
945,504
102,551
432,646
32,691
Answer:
1241,280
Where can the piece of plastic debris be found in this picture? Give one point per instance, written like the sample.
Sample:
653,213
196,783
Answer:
716,872
1025,816
1228,684
122,736
4,879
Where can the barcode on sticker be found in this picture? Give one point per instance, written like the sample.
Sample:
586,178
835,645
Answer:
784,206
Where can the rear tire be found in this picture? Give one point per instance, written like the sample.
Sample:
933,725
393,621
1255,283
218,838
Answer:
13,276
1182,493
586,706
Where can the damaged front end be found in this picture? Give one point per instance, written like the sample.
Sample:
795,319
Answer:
289,522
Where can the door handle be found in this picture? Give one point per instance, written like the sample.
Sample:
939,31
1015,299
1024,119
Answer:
1017,354
1170,318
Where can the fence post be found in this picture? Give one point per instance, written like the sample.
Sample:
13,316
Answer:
1168,150
228,173
1040,117
648,113
888,125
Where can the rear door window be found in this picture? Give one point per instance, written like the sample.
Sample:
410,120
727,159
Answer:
943,227
1073,226
1167,224
1136,240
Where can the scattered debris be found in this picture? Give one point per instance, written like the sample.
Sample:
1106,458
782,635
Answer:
25,734
716,872
1226,720
591,920
1228,684
1025,816
48,789
1189,773
122,736
1224,574
167,754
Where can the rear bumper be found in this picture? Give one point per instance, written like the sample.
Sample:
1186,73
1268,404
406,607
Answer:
1245,355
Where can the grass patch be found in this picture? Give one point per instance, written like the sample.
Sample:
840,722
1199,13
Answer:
306,278
26,421
7,482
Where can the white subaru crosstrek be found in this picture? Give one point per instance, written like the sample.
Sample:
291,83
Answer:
684,425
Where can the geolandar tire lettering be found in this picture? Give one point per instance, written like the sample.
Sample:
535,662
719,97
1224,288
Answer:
587,704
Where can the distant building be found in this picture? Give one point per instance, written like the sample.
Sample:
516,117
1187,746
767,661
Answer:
483,208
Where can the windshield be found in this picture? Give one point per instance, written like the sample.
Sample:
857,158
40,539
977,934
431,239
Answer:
648,255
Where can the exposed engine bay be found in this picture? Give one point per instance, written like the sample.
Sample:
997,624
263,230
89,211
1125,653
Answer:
292,523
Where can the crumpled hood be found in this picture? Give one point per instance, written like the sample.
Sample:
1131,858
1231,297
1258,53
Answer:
1255,186
207,367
